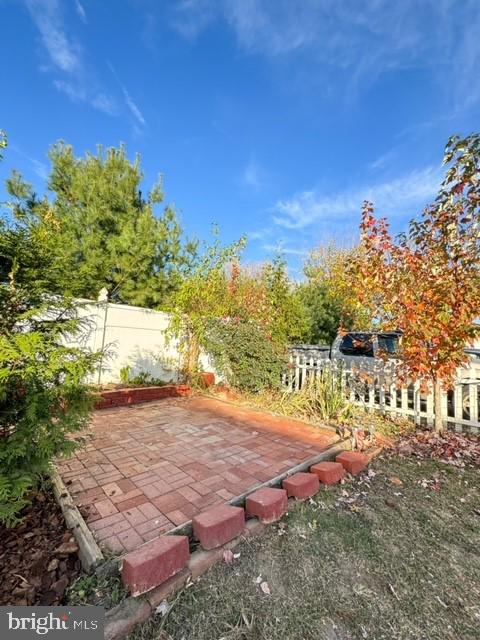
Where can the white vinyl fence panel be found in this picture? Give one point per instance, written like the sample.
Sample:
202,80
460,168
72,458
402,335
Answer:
133,337
376,389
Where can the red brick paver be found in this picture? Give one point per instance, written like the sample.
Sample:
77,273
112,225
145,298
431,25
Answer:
151,467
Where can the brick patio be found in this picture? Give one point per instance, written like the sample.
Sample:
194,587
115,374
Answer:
151,467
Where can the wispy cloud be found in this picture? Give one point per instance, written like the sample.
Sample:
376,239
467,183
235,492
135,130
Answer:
191,17
402,196
80,11
383,161
131,105
38,167
252,175
282,248
64,53
66,56
355,41
134,110
104,102
259,234
79,93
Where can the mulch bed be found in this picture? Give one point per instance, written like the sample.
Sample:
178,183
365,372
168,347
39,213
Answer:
38,558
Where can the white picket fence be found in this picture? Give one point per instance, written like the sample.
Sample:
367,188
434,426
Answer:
372,385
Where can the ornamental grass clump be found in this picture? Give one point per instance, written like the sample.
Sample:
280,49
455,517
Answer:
322,397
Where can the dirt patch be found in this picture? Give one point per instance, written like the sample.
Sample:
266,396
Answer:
38,558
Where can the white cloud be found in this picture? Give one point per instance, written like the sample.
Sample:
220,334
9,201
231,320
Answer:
131,105
81,11
72,76
191,17
384,160
260,234
105,103
402,196
75,93
282,249
63,53
362,40
252,175
134,110
78,93
38,167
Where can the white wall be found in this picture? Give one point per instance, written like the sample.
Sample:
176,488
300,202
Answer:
134,337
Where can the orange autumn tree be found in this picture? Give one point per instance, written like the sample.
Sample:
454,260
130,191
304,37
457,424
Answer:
426,282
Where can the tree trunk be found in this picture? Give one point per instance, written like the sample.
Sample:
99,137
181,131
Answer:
437,404
193,354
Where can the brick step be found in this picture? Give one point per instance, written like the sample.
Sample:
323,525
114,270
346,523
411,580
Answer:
154,563
328,472
267,504
353,461
218,525
301,485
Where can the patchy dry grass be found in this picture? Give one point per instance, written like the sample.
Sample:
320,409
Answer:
394,555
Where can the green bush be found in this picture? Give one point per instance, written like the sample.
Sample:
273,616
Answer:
143,378
244,354
43,395
43,398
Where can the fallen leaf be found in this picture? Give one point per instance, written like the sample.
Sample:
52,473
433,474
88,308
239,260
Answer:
163,608
52,565
66,548
391,503
396,481
265,588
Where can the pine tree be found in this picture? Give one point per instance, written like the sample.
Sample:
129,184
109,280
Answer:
107,232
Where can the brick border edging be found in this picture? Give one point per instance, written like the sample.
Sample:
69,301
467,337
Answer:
342,445
88,550
136,395
120,620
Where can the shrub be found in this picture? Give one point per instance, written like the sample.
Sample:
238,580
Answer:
125,374
243,353
43,396
142,378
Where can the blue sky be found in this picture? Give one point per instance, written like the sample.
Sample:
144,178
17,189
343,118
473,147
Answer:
274,118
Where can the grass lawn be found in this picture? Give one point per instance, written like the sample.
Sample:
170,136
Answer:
392,555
